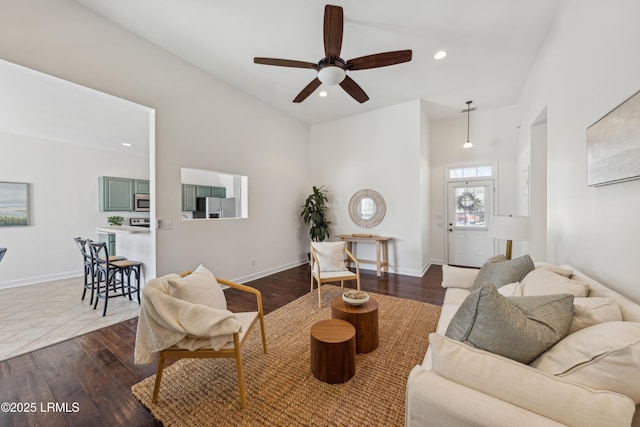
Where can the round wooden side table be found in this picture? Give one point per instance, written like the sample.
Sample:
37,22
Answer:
333,351
363,317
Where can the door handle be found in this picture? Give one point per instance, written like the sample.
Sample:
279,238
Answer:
450,230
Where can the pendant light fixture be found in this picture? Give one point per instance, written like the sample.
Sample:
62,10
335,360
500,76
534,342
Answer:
468,144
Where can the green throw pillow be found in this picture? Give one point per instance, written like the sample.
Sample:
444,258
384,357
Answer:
504,272
520,328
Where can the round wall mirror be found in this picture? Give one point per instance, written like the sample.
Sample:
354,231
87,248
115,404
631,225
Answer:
367,208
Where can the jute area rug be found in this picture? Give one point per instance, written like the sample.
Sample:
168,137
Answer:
281,390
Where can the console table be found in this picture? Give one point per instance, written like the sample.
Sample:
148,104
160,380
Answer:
382,260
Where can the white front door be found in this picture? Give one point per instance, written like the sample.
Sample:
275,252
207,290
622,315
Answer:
469,207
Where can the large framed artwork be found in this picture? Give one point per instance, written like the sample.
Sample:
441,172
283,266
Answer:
14,204
613,145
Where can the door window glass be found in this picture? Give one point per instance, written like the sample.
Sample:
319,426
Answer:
470,206
471,172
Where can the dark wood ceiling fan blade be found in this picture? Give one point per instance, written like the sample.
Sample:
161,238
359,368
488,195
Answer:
353,89
285,63
308,90
333,25
379,60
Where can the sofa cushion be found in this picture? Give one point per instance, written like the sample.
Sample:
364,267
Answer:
503,273
520,328
566,272
458,277
330,255
199,287
546,282
604,356
553,397
591,311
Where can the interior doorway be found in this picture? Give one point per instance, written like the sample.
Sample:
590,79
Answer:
537,208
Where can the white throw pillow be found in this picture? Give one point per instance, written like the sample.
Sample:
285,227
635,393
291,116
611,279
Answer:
594,310
330,255
199,287
511,290
604,357
545,282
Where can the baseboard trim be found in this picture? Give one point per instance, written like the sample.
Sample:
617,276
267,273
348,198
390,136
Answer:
270,271
40,279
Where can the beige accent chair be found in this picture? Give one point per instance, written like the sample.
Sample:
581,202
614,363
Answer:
327,265
231,349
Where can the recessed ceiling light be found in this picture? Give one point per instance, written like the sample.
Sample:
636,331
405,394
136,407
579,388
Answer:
126,144
440,54
323,94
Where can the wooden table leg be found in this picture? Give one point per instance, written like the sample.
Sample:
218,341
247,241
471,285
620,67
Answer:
378,257
385,257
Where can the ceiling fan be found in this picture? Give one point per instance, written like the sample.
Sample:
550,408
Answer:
332,69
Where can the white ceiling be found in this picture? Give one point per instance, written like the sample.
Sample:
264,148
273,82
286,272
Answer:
491,47
39,105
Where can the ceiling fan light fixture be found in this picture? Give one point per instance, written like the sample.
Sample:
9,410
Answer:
331,75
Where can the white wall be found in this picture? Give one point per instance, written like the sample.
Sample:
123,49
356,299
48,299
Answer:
494,134
379,150
588,65
201,123
425,207
63,181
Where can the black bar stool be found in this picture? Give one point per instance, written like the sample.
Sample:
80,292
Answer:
106,275
89,267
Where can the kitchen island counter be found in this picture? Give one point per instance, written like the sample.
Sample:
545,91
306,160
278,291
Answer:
134,243
108,229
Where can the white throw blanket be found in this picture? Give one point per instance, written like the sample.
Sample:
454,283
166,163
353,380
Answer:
165,321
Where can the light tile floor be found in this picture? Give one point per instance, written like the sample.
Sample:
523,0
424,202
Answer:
35,316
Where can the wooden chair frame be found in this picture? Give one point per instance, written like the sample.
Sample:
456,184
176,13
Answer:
316,273
208,353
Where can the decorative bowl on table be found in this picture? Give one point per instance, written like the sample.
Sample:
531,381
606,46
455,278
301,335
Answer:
355,297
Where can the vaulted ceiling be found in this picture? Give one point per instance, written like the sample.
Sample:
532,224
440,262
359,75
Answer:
491,46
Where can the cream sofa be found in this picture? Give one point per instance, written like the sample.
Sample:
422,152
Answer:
459,385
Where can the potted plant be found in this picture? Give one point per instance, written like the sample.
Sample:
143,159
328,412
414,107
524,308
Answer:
115,220
314,212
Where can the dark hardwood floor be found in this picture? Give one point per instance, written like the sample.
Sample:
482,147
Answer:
86,381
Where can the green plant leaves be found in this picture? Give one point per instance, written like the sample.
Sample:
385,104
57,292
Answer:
314,212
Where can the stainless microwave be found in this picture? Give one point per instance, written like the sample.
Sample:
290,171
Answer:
141,203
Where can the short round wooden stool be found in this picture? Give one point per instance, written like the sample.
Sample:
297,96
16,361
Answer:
363,317
333,351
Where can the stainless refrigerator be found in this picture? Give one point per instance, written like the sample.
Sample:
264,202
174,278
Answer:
217,207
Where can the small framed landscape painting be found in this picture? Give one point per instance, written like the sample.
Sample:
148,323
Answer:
14,204
613,145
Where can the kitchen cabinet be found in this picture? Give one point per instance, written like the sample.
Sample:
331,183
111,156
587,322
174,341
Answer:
188,197
191,191
141,186
218,192
115,194
203,191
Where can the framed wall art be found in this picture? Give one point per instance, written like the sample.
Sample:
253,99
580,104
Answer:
14,204
613,145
